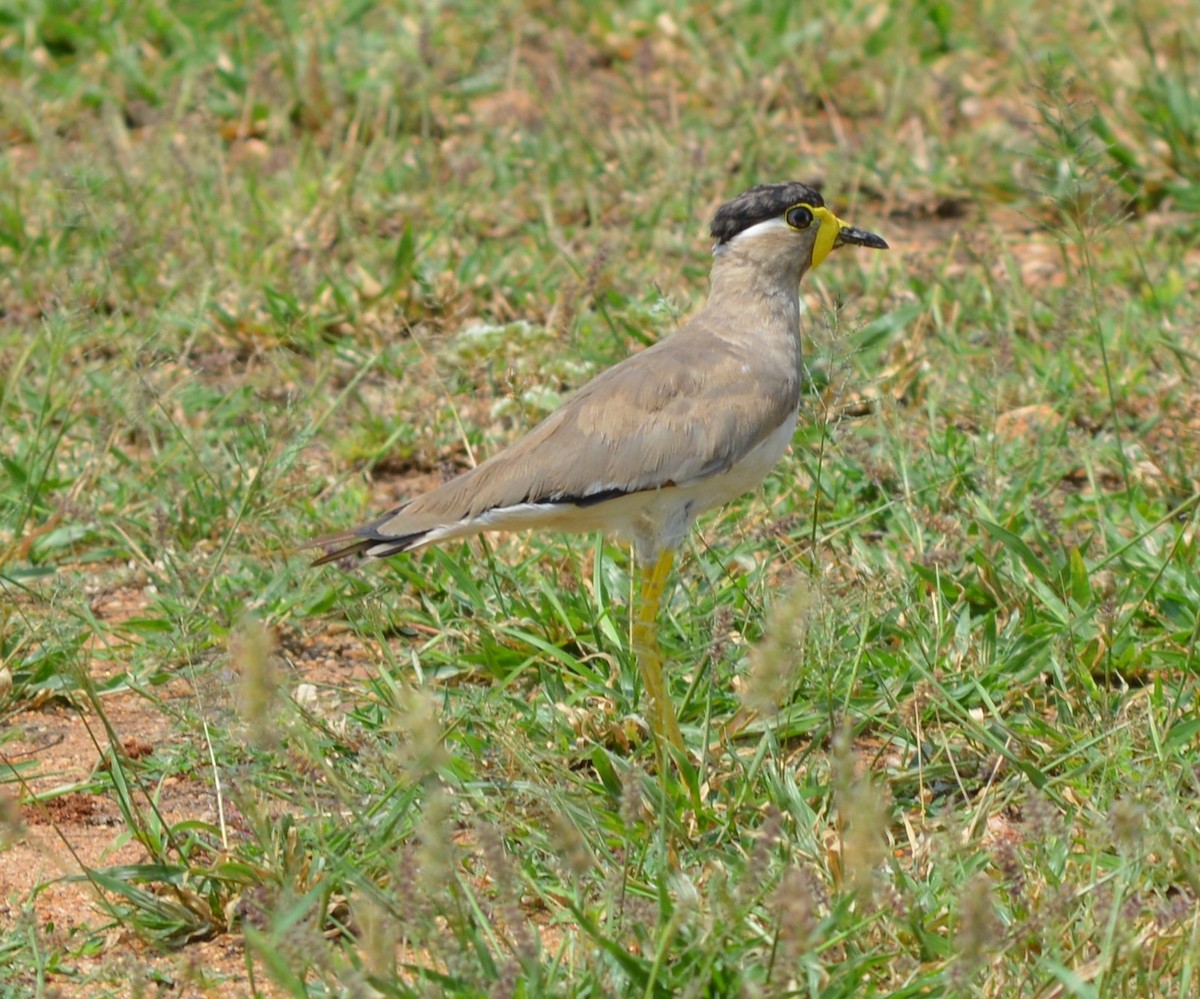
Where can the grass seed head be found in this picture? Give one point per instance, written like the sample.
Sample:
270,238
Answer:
416,722
378,935
773,662
571,846
12,828
795,906
1127,821
251,652
978,928
435,854
863,809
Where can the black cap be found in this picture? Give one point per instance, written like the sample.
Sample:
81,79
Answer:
766,201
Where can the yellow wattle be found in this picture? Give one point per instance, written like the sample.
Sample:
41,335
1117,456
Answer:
827,235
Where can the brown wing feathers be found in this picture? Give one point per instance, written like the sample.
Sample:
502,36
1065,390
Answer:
651,421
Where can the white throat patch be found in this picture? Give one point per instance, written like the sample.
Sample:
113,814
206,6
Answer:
756,230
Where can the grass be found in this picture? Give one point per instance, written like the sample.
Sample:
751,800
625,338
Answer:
267,268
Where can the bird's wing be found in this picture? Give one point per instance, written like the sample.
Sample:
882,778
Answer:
691,406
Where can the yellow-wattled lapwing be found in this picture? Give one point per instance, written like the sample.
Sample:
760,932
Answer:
642,449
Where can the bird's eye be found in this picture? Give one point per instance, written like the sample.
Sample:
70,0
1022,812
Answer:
799,217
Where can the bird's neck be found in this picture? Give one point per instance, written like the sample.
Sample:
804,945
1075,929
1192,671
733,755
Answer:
761,294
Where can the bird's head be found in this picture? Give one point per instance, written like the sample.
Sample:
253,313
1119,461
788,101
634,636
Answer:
786,224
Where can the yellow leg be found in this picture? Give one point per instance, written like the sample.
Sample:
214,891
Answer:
652,581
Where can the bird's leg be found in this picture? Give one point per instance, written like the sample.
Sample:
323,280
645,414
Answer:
652,581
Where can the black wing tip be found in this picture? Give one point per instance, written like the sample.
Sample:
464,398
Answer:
361,541
336,550
362,545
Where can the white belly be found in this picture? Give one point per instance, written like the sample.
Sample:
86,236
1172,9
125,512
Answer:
669,513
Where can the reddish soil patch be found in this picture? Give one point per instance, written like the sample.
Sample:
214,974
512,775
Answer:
58,837
55,836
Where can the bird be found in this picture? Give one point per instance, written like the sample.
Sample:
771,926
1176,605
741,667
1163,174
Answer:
685,425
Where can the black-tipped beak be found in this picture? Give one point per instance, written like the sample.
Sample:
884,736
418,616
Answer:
849,235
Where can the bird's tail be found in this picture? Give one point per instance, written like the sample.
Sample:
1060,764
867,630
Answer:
364,541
